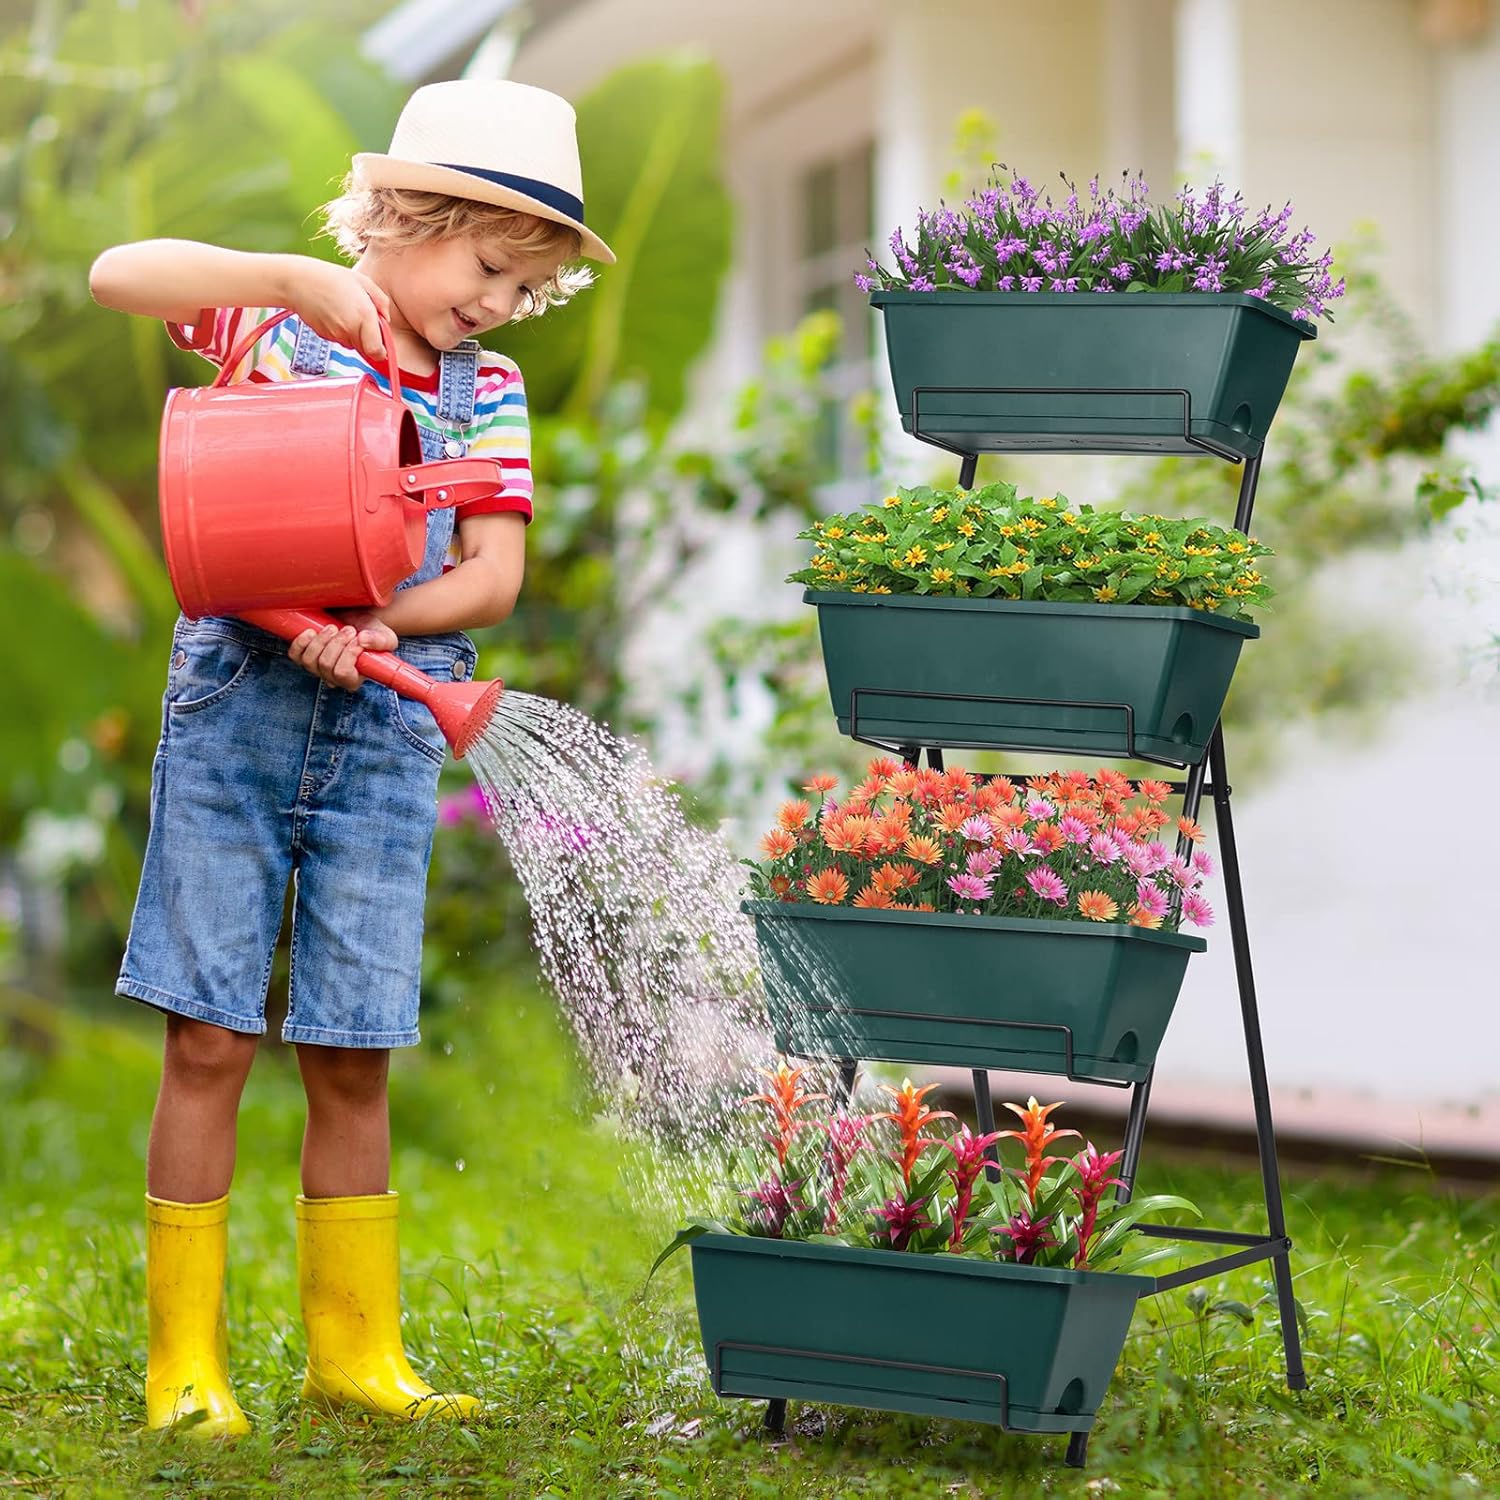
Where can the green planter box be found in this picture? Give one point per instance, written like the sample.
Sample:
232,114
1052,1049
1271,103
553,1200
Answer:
1129,679
1215,365
1024,1347
1085,999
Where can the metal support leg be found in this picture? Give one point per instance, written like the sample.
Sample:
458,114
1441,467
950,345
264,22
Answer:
984,1113
1078,1450
844,1088
775,1422
1255,1056
966,471
1135,1135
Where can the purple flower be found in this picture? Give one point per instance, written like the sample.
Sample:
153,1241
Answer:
1031,283
864,283
899,1220
775,1202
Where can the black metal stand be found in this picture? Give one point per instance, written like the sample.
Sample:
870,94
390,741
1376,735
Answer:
1246,1248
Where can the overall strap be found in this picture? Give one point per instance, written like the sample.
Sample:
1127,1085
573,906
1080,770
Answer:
311,354
458,371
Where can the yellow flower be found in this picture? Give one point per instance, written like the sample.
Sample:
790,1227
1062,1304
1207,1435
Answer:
891,502
1033,525
1048,504
966,529
1104,593
841,576
1153,537
915,556
1007,531
942,575
860,588
880,588
940,515
834,533
997,571
1068,518
1236,546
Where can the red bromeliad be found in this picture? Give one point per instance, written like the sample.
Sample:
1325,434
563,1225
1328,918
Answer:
969,1161
784,1099
1036,1135
1093,1171
901,1220
1026,1236
846,1136
909,1116
775,1202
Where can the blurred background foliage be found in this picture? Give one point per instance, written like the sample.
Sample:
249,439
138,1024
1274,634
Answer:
231,124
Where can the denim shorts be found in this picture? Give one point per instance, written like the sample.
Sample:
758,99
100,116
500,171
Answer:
265,775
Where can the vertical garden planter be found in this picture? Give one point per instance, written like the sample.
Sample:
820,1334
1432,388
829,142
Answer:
1092,679
1086,999
1028,1348
1136,372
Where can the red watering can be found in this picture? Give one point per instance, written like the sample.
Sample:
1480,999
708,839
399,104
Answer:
284,499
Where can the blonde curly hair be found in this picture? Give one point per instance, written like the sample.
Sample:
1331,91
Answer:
387,218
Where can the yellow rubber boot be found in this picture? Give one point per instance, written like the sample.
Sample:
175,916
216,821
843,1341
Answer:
349,1271
187,1358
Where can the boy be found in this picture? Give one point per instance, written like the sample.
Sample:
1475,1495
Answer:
279,763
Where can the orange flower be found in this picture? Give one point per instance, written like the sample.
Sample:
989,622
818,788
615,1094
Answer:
1110,780
882,769
886,878
1035,1135
930,785
793,815
827,887
1155,791
1096,906
900,811
1129,824
848,835
904,783
1190,830
1004,786
867,791
952,816
1140,917
872,899
1086,813
924,850
909,874
1154,818
823,783
909,1116
781,887
778,843
960,782
785,1100
1048,837
1112,803
1003,819
886,837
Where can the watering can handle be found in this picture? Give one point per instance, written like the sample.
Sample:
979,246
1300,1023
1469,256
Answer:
249,341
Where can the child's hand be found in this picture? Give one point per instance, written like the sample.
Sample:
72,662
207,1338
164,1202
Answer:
331,653
341,305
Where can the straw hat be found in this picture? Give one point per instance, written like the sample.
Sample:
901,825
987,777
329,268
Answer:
491,141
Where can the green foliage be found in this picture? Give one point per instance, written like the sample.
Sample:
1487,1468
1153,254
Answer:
525,1278
649,138
992,543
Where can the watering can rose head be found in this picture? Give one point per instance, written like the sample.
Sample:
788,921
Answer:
1010,237
1068,846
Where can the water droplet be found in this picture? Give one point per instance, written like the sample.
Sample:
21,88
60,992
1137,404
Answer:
460,1164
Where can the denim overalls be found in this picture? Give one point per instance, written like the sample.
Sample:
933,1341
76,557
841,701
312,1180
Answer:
264,774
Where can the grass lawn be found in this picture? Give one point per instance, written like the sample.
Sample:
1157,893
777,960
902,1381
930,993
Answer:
525,1262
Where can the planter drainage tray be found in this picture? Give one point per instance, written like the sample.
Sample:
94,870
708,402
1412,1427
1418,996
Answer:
1138,372
1110,680
1027,1348
1089,1000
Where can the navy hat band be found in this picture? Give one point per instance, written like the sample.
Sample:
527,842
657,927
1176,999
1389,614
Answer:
533,187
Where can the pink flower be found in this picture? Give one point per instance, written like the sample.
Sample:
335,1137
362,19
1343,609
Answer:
775,1202
1074,830
1181,872
1161,856
1151,898
969,1161
1197,910
900,1220
1017,842
977,831
1104,848
1203,862
982,862
1138,859
1039,808
1026,1235
1048,884
969,887
462,806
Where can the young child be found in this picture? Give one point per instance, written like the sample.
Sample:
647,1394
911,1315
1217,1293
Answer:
278,764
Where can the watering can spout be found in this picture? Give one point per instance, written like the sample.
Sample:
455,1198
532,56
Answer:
463,710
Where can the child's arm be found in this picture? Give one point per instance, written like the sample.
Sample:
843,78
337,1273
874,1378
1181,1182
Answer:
175,280
481,590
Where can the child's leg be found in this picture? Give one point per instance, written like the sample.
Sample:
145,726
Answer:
346,1149
190,1158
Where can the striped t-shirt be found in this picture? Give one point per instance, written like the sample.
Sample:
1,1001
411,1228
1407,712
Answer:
499,431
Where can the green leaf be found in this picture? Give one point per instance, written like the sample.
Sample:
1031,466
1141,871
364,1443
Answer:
649,139
685,1236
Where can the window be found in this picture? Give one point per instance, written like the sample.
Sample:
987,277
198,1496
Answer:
834,233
